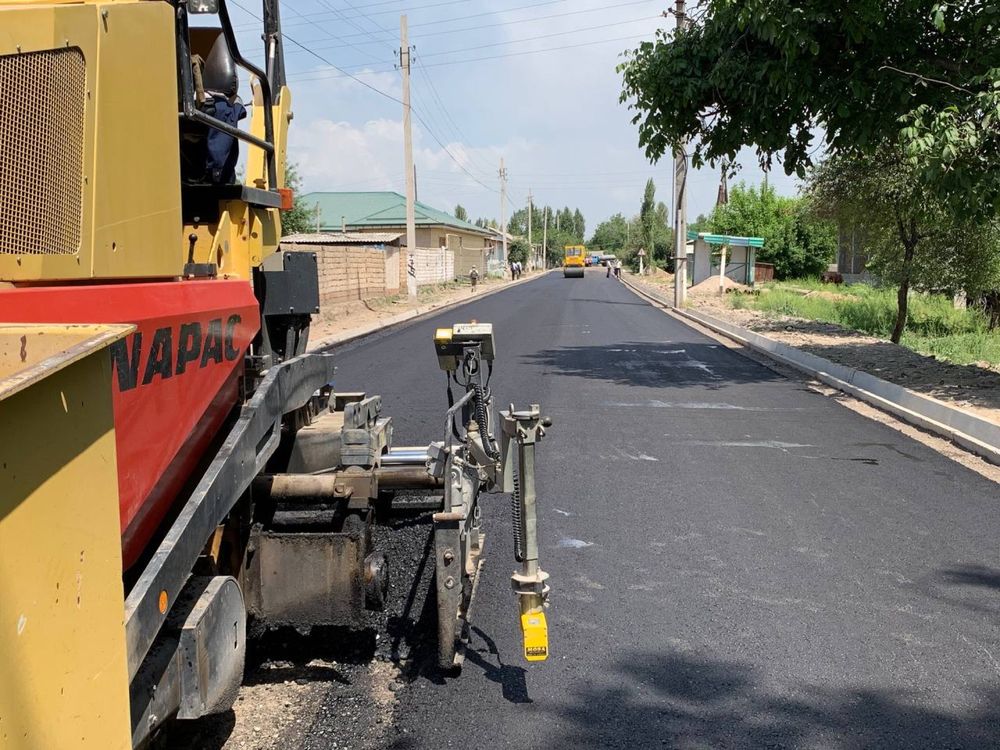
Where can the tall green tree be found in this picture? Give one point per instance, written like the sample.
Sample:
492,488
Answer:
579,225
300,218
700,224
460,213
913,239
518,250
796,241
647,217
564,221
920,74
611,235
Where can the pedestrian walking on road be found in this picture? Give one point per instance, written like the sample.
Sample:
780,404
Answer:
609,264
618,268
474,277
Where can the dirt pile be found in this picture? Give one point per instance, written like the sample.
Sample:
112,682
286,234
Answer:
710,286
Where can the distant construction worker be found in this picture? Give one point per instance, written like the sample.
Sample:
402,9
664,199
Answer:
474,277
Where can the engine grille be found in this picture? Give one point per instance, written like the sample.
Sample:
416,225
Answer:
41,152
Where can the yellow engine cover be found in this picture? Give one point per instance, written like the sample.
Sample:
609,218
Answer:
89,135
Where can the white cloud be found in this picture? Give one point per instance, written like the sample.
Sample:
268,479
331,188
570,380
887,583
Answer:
553,116
338,155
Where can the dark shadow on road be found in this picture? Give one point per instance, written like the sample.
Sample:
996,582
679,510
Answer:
510,678
973,575
686,701
209,733
287,654
974,588
655,365
608,301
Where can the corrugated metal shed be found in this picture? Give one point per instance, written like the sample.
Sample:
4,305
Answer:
380,209
725,239
342,238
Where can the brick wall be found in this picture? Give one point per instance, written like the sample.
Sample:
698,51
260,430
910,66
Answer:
350,273
346,272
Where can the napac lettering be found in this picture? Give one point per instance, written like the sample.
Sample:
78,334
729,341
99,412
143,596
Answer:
174,351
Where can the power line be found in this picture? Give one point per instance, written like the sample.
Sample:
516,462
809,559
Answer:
488,169
377,90
319,75
333,36
480,15
359,28
541,36
615,6
431,111
370,5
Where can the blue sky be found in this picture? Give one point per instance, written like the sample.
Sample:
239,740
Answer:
534,83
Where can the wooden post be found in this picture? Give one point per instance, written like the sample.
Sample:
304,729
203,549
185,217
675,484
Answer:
722,271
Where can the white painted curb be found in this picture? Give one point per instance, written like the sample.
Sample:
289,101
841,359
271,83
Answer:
974,433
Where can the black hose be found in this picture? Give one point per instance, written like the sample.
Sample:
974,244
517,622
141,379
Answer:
515,515
480,399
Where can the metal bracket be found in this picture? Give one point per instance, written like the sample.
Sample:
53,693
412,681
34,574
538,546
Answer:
521,431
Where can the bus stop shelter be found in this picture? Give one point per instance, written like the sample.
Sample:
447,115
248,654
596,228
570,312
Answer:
740,256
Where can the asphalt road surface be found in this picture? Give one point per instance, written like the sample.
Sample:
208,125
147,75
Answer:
736,560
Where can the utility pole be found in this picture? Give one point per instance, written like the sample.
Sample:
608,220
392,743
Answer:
680,199
503,212
545,238
411,186
531,248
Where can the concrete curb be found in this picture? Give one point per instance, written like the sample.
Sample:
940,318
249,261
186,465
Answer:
978,435
414,315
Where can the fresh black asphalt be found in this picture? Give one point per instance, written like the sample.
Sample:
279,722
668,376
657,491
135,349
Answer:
736,560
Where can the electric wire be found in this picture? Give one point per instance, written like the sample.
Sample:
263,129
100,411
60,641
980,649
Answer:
311,16
375,89
513,22
320,75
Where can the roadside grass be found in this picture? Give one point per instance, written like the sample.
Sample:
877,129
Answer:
933,325
961,348
811,285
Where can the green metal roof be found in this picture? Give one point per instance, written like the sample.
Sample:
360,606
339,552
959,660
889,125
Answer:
725,239
379,209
